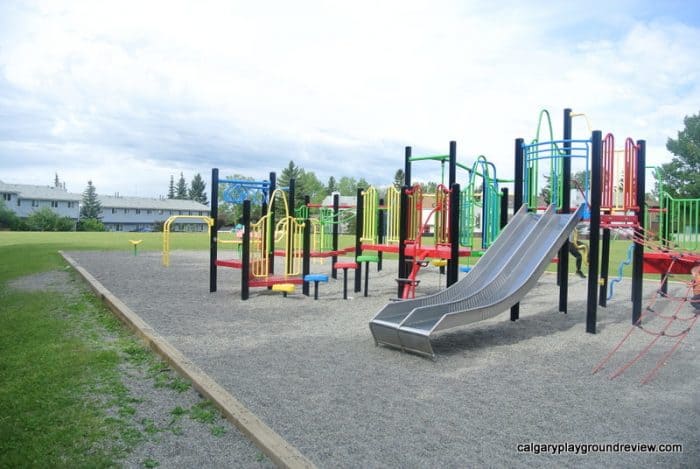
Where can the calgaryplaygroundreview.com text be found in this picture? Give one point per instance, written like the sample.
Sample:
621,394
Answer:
586,448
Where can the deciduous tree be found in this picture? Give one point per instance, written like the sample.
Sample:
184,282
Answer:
681,177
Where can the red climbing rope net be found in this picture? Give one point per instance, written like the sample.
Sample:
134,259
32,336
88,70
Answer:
676,326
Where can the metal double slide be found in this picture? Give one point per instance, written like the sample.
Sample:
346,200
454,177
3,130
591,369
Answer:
500,279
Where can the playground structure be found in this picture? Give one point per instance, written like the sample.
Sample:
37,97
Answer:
166,232
614,200
400,224
258,238
294,240
325,224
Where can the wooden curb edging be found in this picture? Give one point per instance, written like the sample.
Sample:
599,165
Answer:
273,445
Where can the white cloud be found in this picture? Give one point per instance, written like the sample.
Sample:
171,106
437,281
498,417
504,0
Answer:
182,84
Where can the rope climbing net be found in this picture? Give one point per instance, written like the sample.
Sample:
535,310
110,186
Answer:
665,317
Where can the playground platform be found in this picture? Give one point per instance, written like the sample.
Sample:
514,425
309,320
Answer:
311,371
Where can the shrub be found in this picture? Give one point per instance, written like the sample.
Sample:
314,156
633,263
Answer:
90,224
8,218
46,219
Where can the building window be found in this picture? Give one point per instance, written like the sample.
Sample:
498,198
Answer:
160,212
18,202
35,203
71,204
114,210
54,204
148,212
138,211
126,210
7,197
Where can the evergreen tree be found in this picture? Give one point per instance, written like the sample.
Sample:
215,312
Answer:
197,190
681,177
171,188
181,188
332,186
90,206
399,178
546,191
292,171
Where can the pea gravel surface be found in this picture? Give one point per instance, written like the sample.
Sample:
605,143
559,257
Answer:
499,393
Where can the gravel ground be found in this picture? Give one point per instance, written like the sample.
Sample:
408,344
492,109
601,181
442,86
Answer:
311,371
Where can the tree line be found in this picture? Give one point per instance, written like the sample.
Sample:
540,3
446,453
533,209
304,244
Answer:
195,191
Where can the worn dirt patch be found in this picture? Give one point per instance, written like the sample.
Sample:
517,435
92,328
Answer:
53,281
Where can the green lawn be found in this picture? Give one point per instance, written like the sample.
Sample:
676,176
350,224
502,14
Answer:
62,402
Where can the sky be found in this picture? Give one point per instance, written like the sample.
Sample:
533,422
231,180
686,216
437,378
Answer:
127,93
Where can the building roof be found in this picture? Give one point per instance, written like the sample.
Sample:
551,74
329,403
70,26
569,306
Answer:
31,192
27,191
110,201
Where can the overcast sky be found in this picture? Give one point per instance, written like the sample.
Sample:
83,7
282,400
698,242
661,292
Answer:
126,93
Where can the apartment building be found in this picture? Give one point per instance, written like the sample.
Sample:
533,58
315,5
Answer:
118,213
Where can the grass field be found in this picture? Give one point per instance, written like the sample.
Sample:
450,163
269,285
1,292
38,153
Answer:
62,401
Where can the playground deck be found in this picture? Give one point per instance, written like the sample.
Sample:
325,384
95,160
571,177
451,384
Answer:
311,371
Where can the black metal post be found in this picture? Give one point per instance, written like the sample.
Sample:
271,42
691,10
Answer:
403,234
269,235
407,167
213,235
453,262
504,207
518,183
593,248
334,259
563,265
517,201
245,252
604,269
359,224
638,255
453,164
381,232
306,259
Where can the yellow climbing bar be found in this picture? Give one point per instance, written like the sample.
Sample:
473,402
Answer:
166,232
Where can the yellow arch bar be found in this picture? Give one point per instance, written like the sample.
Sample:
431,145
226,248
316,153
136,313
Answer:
290,231
166,232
